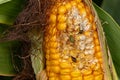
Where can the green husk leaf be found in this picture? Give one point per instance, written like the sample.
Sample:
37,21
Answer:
112,32
9,11
113,8
4,1
6,60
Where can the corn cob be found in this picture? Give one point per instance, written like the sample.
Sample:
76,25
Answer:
72,44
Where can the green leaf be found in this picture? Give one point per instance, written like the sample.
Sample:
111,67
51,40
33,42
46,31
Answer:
4,1
113,8
98,2
112,33
3,28
6,78
6,60
9,11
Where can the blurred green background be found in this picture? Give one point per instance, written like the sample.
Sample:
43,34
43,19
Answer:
111,6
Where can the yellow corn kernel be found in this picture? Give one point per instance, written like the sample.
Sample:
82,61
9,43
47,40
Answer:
53,50
61,26
94,27
80,6
87,33
52,18
53,38
54,56
65,77
87,10
91,18
83,12
52,74
65,51
55,69
89,77
99,54
78,0
46,39
77,78
73,3
99,77
65,65
53,44
75,73
52,78
92,66
61,9
97,42
100,60
52,31
48,63
97,72
86,71
61,18
95,35
65,71
47,51
97,67
68,6
54,10
46,46
54,62
48,68
57,78
97,48
47,56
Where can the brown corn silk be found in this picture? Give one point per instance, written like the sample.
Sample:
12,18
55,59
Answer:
72,42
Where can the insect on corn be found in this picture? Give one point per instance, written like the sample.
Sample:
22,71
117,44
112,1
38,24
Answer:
74,43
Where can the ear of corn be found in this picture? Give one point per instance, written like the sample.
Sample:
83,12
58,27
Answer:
74,43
